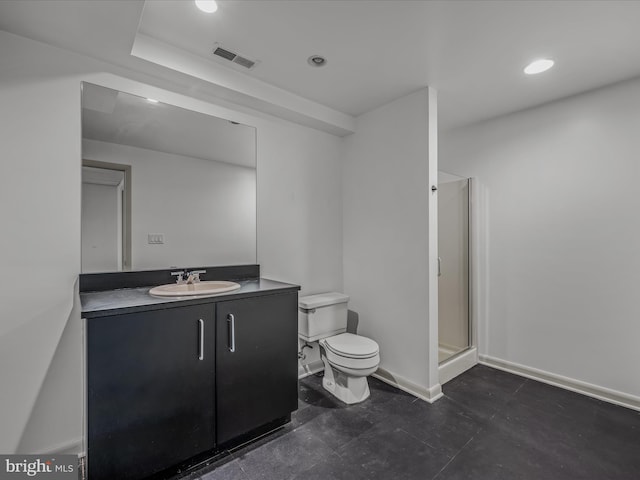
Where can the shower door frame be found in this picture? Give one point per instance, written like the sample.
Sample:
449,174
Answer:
467,358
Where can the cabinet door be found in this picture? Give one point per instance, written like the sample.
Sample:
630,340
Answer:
150,390
256,363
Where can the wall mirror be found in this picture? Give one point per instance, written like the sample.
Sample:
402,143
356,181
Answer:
163,186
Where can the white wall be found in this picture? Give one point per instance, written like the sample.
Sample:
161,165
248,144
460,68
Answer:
387,268
206,210
299,226
560,267
40,208
300,207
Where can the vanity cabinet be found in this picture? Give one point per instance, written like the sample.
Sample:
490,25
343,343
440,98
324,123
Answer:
167,383
256,363
150,390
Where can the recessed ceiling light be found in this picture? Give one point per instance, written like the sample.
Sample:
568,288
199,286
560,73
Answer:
208,6
538,66
152,100
317,61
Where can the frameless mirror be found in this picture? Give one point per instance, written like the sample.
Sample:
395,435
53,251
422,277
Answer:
163,186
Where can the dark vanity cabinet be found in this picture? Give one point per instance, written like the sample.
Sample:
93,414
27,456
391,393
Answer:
151,390
169,384
256,363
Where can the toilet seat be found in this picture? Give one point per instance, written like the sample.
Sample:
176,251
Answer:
351,346
352,352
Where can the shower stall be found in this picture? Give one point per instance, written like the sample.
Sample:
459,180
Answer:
456,349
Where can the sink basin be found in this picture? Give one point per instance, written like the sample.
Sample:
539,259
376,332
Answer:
201,288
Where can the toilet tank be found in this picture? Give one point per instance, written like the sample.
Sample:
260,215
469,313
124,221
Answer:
322,315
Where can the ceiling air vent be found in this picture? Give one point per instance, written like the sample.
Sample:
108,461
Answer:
234,57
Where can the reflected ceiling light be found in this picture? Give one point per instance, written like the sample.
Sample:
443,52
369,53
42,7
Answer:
208,6
152,100
538,66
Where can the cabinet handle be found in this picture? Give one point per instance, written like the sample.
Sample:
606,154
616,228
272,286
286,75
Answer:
232,332
201,343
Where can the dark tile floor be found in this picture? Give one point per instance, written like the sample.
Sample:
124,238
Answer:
490,425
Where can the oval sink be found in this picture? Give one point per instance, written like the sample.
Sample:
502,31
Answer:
189,289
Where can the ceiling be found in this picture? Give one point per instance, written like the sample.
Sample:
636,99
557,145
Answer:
472,52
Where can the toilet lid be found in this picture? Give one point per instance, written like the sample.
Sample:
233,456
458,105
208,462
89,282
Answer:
350,345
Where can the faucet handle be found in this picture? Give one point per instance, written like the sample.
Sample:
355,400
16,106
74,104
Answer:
195,274
180,275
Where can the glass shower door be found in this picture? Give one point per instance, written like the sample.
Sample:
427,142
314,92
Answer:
454,334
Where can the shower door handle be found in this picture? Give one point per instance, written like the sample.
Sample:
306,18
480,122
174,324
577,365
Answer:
439,266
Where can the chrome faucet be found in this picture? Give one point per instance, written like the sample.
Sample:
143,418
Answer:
194,276
188,277
180,276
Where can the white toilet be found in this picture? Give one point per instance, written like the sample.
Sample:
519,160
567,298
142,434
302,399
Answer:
348,359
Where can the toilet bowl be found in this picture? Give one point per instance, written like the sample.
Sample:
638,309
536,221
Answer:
348,358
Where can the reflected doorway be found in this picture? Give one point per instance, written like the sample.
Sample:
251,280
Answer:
106,217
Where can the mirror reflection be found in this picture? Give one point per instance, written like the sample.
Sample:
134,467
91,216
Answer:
163,186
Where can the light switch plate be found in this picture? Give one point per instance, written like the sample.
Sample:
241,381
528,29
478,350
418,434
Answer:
155,238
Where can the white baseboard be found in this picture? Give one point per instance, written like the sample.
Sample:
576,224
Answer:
595,391
427,394
449,369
